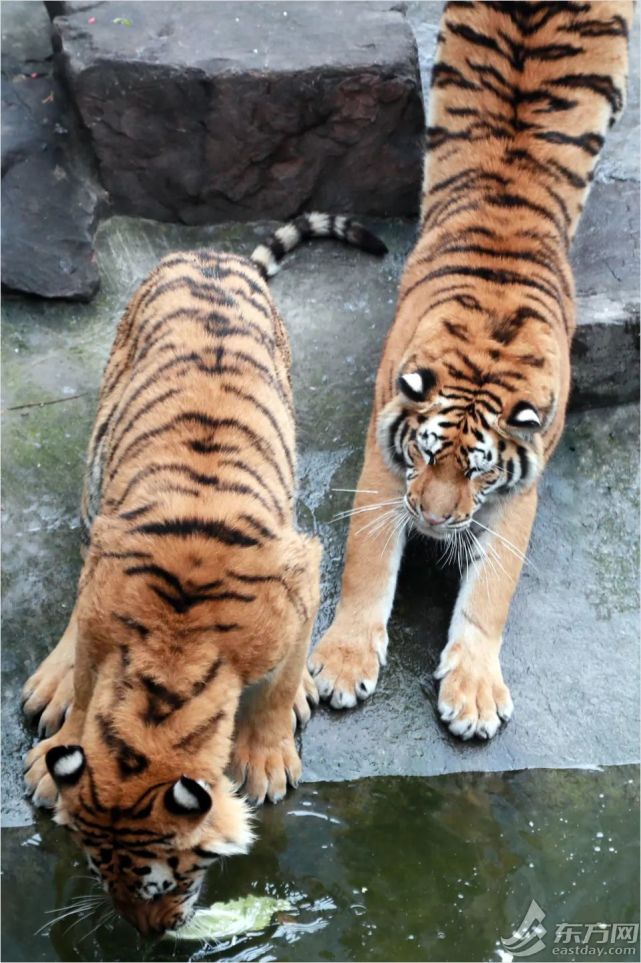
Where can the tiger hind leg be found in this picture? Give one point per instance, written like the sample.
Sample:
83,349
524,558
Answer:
49,691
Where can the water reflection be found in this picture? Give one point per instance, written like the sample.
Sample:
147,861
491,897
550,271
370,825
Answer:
380,869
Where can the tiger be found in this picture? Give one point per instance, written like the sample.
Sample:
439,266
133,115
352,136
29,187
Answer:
181,674
473,383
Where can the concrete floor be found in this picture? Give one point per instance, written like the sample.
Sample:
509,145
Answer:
571,652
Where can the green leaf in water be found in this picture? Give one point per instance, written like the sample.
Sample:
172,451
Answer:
238,916
123,21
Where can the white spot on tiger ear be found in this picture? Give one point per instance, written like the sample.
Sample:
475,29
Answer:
184,798
68,765
413,381
527,416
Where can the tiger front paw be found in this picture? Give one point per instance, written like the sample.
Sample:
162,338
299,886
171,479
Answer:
473,699
38,783
346,661
49,692
264,760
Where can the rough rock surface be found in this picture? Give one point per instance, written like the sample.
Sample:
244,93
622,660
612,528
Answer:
239,111
50,200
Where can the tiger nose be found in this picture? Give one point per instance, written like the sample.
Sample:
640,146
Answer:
434,519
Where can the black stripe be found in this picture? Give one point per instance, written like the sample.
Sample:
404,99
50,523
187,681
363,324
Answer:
187,527
137,512
216,423
130,761
161,701
445,75
155,469
130,623
474,37
195,739
613,27
213,670
253,401
600,84
590,142
239,465
553,51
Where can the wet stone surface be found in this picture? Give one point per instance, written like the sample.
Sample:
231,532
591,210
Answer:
571,652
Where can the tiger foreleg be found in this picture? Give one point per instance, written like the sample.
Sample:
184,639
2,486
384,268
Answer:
79,681
49,691
346,661
473,698
265,758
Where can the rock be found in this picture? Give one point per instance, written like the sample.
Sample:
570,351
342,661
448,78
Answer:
605,352
26,37
237,111
50,198
49,220
605,254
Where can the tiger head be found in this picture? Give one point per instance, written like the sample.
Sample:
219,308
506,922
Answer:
152,849
461,439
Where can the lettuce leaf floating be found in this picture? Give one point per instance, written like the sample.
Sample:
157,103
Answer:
238,916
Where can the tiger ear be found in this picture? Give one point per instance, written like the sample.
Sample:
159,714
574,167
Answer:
414,385
525,417
188,797
66,764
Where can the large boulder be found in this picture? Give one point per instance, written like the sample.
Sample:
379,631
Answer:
217,111
51,200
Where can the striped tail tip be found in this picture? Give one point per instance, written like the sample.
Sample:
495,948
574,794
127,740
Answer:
268,255
360,237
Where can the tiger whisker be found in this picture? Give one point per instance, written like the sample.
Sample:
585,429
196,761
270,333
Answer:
103,919
357,491
69,912
85,916
366,508
377,529
395,530
389,520
373,523
77,900
508,544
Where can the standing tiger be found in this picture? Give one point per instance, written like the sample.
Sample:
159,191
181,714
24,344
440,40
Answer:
472,388
186,648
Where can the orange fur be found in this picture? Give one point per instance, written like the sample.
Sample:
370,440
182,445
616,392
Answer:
473,383
196,590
